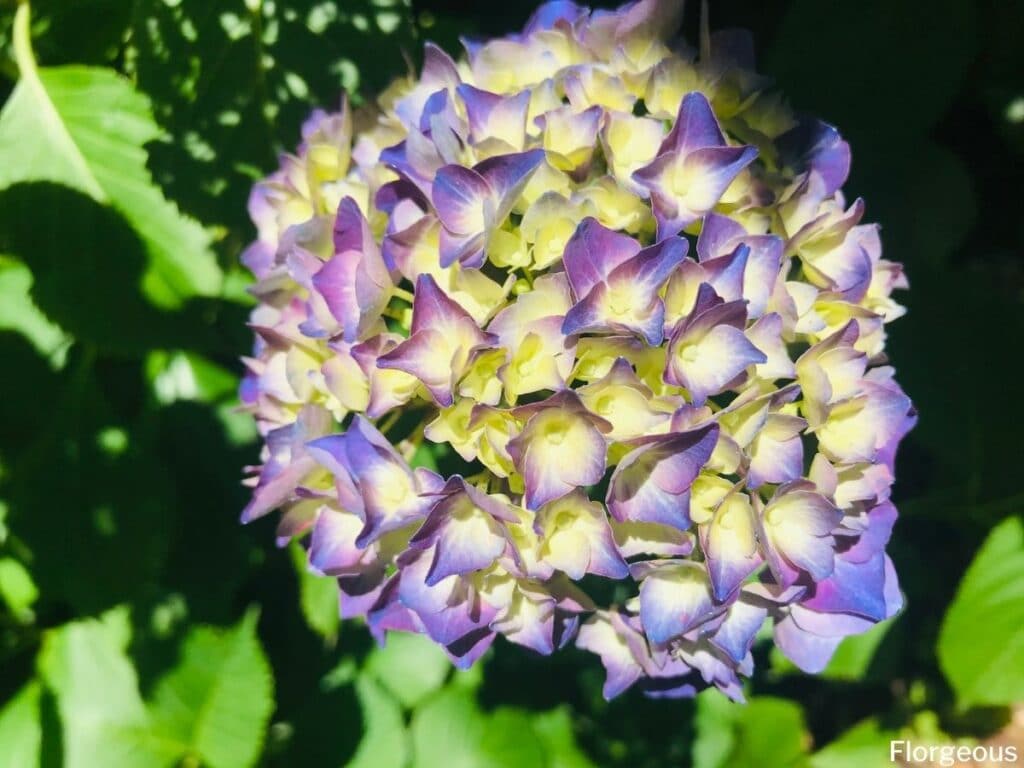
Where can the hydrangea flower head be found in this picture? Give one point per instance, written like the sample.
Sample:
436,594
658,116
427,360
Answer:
612,286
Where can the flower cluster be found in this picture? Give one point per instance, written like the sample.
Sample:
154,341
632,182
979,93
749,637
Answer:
611,287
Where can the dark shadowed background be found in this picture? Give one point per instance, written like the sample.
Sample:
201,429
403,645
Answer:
140,625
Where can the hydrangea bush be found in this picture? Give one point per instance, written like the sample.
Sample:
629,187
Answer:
611,286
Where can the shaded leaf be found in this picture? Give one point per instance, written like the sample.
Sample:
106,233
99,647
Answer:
318,597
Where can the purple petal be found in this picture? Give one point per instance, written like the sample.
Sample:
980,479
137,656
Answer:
332,548
620,647
729,542
719,236
857,588
592,253
651,484
557,452
695,127
459,196
674,599
492,114
507,175
555,13
708,364
797,528
736,634
810,652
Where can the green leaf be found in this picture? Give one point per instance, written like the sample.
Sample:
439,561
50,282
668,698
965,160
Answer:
981,644
853,656
217,702
104,722
184,375
85,128
318,597
765,731
385,743
715,723
771,732
21,732
19,313
510,741
554,729
448,731
410,666
865,745
17,588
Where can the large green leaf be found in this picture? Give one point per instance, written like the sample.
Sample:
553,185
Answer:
86,128
216,703
866,745
104,722
410,666
765,731
21,733
981,645
555,730
450,731
385,742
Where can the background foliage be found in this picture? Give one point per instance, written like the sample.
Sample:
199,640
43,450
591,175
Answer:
141,626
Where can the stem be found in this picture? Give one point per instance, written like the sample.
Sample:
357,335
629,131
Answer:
401,293
23,55
412,443
389,422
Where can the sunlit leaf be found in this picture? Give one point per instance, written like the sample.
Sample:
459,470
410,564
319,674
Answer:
21,732
866,745
385,742
217,702
17,588
104,722
450,731
555,731
765,731
409,666
981,645
184,375
19,313
86,128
